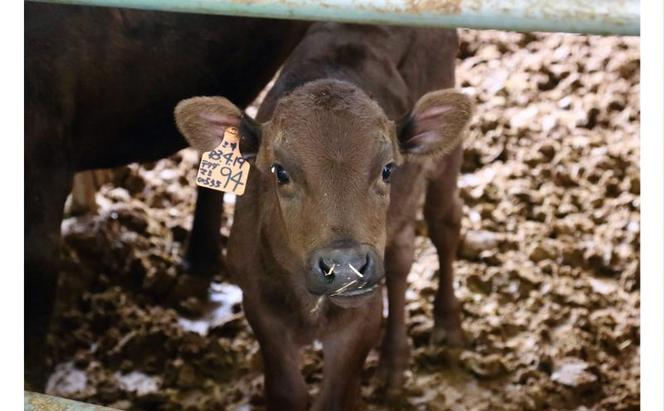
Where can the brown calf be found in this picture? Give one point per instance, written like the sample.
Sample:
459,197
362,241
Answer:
331,199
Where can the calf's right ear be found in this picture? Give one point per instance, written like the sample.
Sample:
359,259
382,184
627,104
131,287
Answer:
203,121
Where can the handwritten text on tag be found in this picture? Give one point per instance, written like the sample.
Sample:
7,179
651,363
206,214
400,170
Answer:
223,168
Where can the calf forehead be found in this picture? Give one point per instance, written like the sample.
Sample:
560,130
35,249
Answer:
330,119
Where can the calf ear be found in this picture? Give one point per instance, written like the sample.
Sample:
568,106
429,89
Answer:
203,121
436,124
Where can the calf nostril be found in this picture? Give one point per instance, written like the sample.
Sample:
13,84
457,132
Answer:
328,271
364,267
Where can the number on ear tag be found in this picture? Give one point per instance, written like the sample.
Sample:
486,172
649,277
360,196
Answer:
224,168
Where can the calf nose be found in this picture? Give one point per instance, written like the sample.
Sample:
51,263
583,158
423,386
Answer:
348,265
335,260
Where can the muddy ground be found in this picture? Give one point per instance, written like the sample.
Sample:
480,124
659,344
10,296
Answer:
548,273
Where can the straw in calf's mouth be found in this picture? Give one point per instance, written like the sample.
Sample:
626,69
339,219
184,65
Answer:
359,274
342,289
318,304
330,271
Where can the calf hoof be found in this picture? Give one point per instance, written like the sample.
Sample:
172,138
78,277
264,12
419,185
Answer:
451,336
391,380
190,293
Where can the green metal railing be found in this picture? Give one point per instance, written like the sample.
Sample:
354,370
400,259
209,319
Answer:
33,401
574,16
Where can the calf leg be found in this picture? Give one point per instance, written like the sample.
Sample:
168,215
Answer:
285,388
443,212
345,348
203,255
46,187
395,351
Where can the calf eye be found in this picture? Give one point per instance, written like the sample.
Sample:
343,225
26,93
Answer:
387,172
280,173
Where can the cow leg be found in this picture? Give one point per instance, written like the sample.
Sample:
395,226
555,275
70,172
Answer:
203,256
395,351
285,388
83,193
345,348
442,211
47,185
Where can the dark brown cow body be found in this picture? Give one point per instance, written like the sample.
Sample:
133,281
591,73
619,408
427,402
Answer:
319,226
100,87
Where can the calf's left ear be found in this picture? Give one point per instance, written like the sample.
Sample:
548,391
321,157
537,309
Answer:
204,120
436,124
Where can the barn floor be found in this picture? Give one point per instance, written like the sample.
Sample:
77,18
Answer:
548,273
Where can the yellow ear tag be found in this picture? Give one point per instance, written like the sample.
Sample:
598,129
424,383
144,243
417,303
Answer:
224,168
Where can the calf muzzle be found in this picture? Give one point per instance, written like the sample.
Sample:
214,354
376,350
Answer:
345,269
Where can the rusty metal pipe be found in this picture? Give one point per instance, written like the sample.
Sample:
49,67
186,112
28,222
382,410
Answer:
574,16
33,401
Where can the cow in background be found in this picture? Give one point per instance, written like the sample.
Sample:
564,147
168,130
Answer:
100,85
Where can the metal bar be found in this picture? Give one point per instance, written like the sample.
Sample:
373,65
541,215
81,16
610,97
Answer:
575,16
33,401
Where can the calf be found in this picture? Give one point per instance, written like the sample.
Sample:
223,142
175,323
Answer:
100,87
343,148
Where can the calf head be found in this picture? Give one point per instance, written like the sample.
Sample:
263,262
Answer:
326,159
